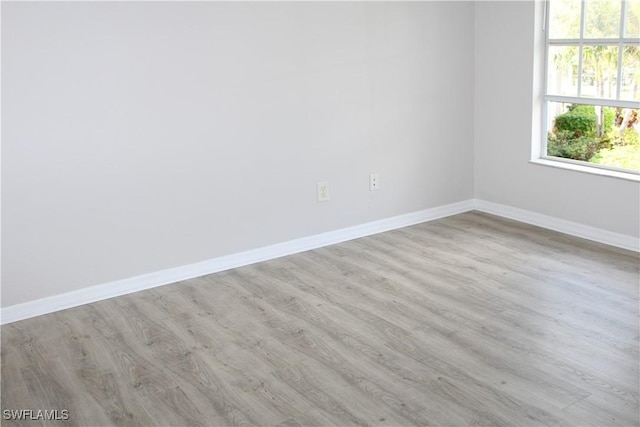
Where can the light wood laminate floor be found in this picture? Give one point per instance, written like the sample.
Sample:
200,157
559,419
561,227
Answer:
468,320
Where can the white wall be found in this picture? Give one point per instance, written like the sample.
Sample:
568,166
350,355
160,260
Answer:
504,87
143,136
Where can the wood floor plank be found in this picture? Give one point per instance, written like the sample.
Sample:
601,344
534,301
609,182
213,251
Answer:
468,320
405,345
606,407
495,302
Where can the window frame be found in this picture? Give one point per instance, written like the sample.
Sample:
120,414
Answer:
546,98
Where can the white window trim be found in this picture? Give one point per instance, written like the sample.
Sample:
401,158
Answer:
585,167
539,145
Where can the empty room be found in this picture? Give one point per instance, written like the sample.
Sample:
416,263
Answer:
320,213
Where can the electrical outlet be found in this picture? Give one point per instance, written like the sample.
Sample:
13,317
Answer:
323,191
374,182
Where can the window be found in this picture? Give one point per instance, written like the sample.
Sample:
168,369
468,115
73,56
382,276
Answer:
591,109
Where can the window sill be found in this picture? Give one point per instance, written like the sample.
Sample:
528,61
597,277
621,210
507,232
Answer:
629,176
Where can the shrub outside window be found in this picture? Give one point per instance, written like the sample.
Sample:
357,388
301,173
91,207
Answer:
592,95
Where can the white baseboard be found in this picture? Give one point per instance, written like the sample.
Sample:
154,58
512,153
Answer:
561,225
91,294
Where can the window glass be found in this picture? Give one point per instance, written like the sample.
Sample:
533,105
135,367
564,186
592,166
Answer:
630,84
599,71
602,18
564,19
632,21
596,134
563,70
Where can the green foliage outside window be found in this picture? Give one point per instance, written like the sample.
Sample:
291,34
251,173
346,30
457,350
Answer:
579,121
567,145
576,136
625,155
